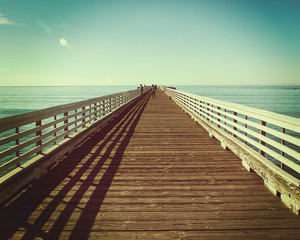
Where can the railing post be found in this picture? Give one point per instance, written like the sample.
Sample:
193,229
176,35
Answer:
208,111
117,99
235,121
108,105
245,127
282,153
83,115
54,128
102,108
225,121
75,120
95,111
201,109
198,107
90,110
38,133
66,122
219,115
263,133
112,102
17,142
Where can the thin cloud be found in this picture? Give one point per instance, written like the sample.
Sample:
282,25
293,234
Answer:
44,26
4,20
60,25
48,28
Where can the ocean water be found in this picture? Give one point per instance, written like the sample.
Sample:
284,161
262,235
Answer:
18,100
280,99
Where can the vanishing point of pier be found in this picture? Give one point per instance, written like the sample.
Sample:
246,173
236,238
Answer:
150,172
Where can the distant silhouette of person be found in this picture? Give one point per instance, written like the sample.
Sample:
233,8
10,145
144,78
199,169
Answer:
153,91
142,89
155,86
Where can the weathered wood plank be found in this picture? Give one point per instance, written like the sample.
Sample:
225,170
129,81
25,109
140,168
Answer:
153,174
164,216
274,234
165,225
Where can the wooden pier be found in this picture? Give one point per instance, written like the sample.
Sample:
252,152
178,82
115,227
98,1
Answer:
151,173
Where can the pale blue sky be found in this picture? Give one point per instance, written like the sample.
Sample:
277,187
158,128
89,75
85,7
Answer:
127,42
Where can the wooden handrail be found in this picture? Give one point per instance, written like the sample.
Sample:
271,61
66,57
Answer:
280,120
264,131
29,134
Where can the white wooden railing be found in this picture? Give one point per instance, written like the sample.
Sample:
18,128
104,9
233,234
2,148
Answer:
34,134
274,137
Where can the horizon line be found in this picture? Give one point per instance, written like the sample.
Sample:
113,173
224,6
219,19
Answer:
131,85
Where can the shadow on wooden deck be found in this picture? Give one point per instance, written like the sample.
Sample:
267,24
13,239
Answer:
52,202
152,173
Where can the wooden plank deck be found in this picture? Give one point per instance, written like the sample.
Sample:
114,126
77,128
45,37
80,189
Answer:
151,174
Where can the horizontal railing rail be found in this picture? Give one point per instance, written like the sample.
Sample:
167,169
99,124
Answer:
275,137
25,136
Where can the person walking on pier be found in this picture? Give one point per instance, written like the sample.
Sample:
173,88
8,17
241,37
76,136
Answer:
142,89
153,91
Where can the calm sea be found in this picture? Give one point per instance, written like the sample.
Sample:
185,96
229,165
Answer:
17,100
280,99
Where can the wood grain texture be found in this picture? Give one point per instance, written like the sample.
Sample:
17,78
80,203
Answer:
152,173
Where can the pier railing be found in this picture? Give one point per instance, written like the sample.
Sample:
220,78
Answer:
27,138
268,143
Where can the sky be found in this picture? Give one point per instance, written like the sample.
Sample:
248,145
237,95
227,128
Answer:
166,42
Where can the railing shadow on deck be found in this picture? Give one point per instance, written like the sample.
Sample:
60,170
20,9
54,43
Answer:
34,196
